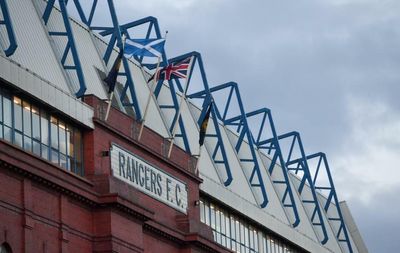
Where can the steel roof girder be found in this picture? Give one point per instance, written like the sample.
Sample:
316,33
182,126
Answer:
277,156
323,164
244,136
70,47
303,166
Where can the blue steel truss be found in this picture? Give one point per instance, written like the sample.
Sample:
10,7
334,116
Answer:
70,47
239,122
175,86
116,37
300,167
332,210
271,146
254,175
9,27
115,32
218,153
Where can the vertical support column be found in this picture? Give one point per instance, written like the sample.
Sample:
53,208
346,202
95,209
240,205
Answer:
27,221
64,230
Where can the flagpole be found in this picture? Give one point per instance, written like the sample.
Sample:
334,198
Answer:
151,94
202,139
149,99
180,108
109,105
198,161
112,92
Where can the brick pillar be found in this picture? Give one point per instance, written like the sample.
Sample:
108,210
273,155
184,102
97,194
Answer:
27,221
64,230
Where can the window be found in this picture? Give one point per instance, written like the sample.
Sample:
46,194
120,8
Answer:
5,248
235,233
37,131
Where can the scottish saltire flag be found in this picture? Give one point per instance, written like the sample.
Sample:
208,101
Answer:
111,78
144,47
174,70
203,125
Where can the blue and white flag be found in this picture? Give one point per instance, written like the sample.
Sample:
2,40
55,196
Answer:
144,47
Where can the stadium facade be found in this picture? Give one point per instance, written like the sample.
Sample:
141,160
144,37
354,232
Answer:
77,178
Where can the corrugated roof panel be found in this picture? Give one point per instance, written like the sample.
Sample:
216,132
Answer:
332,243
90,60
34,50
304,226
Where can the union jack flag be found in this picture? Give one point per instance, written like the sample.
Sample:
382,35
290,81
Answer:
174,70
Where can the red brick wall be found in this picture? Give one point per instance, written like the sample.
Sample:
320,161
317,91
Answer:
44,208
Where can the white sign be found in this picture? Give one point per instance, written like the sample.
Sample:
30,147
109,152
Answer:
148,179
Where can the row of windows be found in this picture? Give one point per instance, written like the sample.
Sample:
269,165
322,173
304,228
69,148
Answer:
236,234
37,131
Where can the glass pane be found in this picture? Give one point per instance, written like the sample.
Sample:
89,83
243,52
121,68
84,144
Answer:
18,139
256,240
202,218
269,245
78,146
54,132
246,237
251,239
27,143
36,148
222,223
264,244
232,228
7,133
45,152
218,221
27,118
212,210
70,165
35,123
54,156
1,107
69,140
61,137
237,230
1,131
7,111
44,125
241,233
63,161
17,113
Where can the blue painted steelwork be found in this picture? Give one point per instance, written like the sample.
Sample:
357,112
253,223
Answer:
254,176
340,227
115,32
218,152
10,31
174,86
271,146
300,167
70,46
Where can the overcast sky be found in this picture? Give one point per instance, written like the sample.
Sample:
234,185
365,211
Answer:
329,69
